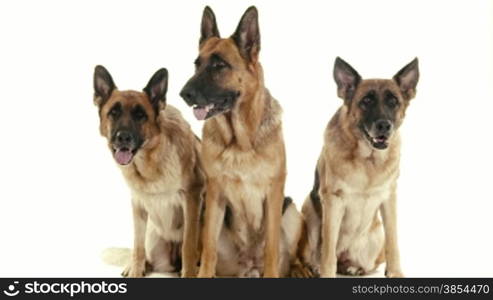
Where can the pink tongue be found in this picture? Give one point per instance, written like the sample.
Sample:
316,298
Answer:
123,157
200,113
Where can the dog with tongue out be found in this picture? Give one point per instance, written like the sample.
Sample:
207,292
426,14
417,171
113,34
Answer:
249,228
157,153
201,112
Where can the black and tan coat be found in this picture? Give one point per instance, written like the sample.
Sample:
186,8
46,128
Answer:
158,155
356,177
250,230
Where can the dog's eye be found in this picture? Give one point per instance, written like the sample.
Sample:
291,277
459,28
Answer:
139,115
218,64
365,102
115,112
392,102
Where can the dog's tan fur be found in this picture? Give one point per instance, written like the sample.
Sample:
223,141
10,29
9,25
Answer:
356,182
245,164
166,182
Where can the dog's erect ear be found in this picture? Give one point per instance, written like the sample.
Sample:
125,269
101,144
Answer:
247,35
208,27
157,87
407,79
103,85
347,79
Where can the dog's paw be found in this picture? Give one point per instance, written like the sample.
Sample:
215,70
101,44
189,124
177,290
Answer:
348,268
394,274
188,273
328,271
354,271
252,273
300,270
315,270
205,274
134,271
271,274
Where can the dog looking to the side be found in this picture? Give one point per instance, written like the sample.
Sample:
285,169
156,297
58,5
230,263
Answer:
356,176
158,155
249,229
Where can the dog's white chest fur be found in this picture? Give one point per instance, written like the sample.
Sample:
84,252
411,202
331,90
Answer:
362,192
361,205
245,185
246,191
162,199
165,212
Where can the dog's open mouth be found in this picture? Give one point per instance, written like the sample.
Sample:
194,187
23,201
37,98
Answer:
379,142
201,112
123,156
207,111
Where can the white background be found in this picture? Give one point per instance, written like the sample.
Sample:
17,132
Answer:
63,200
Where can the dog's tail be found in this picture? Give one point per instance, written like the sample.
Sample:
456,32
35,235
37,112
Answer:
118,257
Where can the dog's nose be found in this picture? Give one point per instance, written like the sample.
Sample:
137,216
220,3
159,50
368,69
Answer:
383,126
188,94
123,137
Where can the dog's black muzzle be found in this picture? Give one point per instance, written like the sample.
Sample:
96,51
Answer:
208,101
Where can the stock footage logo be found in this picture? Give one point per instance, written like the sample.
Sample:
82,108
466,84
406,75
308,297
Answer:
70,288
12,290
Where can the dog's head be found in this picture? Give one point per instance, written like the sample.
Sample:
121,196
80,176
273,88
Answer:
129,119
226,69
376,107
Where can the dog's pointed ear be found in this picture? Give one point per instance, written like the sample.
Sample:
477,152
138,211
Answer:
156,89
346,78
247,35
208,27
103,85
407,79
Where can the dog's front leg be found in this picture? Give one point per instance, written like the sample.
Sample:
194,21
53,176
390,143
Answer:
273,228
138,260
191,234
389,217
214,217
332,213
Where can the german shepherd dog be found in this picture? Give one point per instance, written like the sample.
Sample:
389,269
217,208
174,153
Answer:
243,157
356,176
157,153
